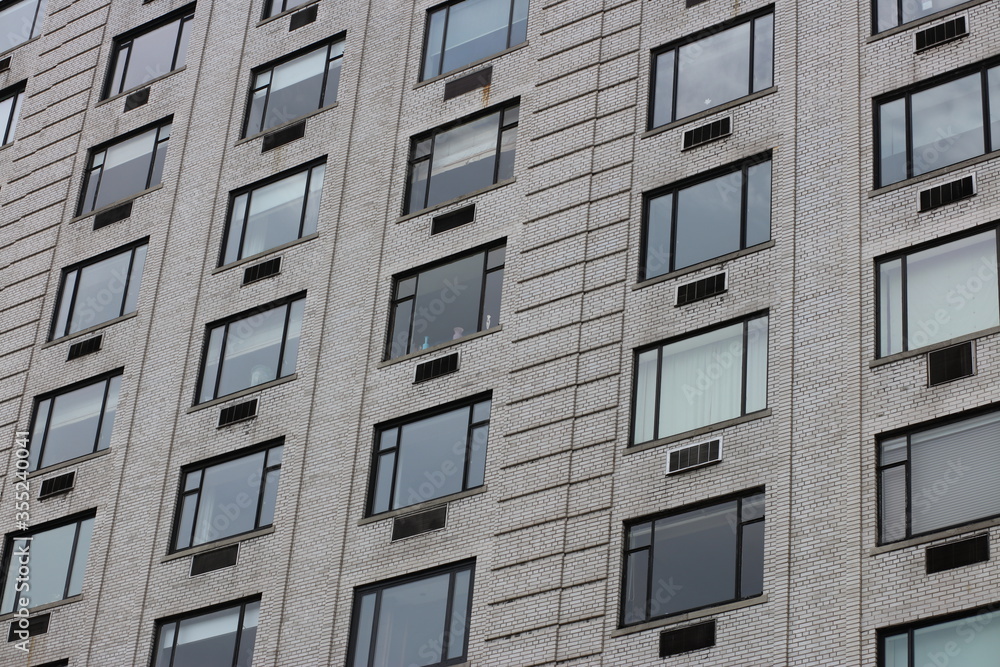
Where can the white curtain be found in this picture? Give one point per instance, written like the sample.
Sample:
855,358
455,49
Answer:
645,397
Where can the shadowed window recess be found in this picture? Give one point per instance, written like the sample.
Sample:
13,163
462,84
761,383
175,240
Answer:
149,52
937,293
693,558
422,619
715,66
891,13
212,637
429,457
446,301
293,87
970,639
10,110
227,497
467,31
251,349
74,422
21,20
125,167
457,159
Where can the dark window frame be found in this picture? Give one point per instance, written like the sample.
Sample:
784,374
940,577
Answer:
909,628
242,603
906,93
399,422
379,587
79,266
739,497
446,7
676,44
899,16
17,92
269,7
256,185
740,166
395,300
412,160
36,28
126,39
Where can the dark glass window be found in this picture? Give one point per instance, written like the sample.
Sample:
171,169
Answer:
708,216
229,497
420,620
74,422
21,20
700,379
56,559
275,7
274,212
940,122
209,638
148,53
446,301
99,290
463,32
713,67
970,639
891,13
251,349
455,160
937,477
10,111
294,87
693,558
429,457
936,293
125,168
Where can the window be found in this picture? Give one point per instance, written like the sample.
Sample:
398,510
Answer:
455,160
940,122
937,293
21,21
251,349
962,640
713,67
74,421
125,167
446,301
417,620
716,213
891,13
10,111
273,212
429,457
228,497
55,558
215,636
701,379
292,88
99,290
466,31
275,7
937,477
150,52
694,558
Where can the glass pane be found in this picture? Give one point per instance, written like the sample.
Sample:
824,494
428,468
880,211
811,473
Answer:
387,439
645,397
135,280
100,292
332,82
431,458
18,20
210,372
252,348
639,535
207,640
5,108
511,115
752,507
659,227
758,204
234,232
893,515
152,55
491,300
892,451
952,290
110,410
255,117
295,88
309,224
229,494
292,337
406,287
888,14
636,586
73,424
37,431
418,186
400,343
763,52
65,301
192,481
477,457
505,167
274,456
752,569
459,621
49,563
159,158
10,595
126,169
979,645
464,159
896,649
476,29
11,133
714,70
892,142
185,521
275,214
708,220
80,557
411,621
496,257
270,499
756,385
947,124
165,645
994,92
435,37
519,28
183,45
663,89
248,636
90,192
448,301
890,300
919,8
383,483
481,411
422,148
365,613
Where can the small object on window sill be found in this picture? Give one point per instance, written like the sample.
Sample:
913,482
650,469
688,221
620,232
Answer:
488,318
459,332
426,344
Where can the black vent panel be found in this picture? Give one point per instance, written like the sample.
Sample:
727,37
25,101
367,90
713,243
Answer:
53,486
701,289
271,267
113,215
708,133
305,17
84,347
958,554
419,522
283,136
951,363
34,626
214,560
5,64
689,638
942,33
453,219
436,368
136,99
237,413
694,456
946,193
468,83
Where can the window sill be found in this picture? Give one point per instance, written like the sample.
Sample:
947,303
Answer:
690,616
32,611
293,121
90,214
15,48
715,261
241,393
126,93
958,166
89,330
440,346
419,507
934,537
920,351
481,61
709,112
923,21
68,463
261,255
704,430
470,195
271,19
218,544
